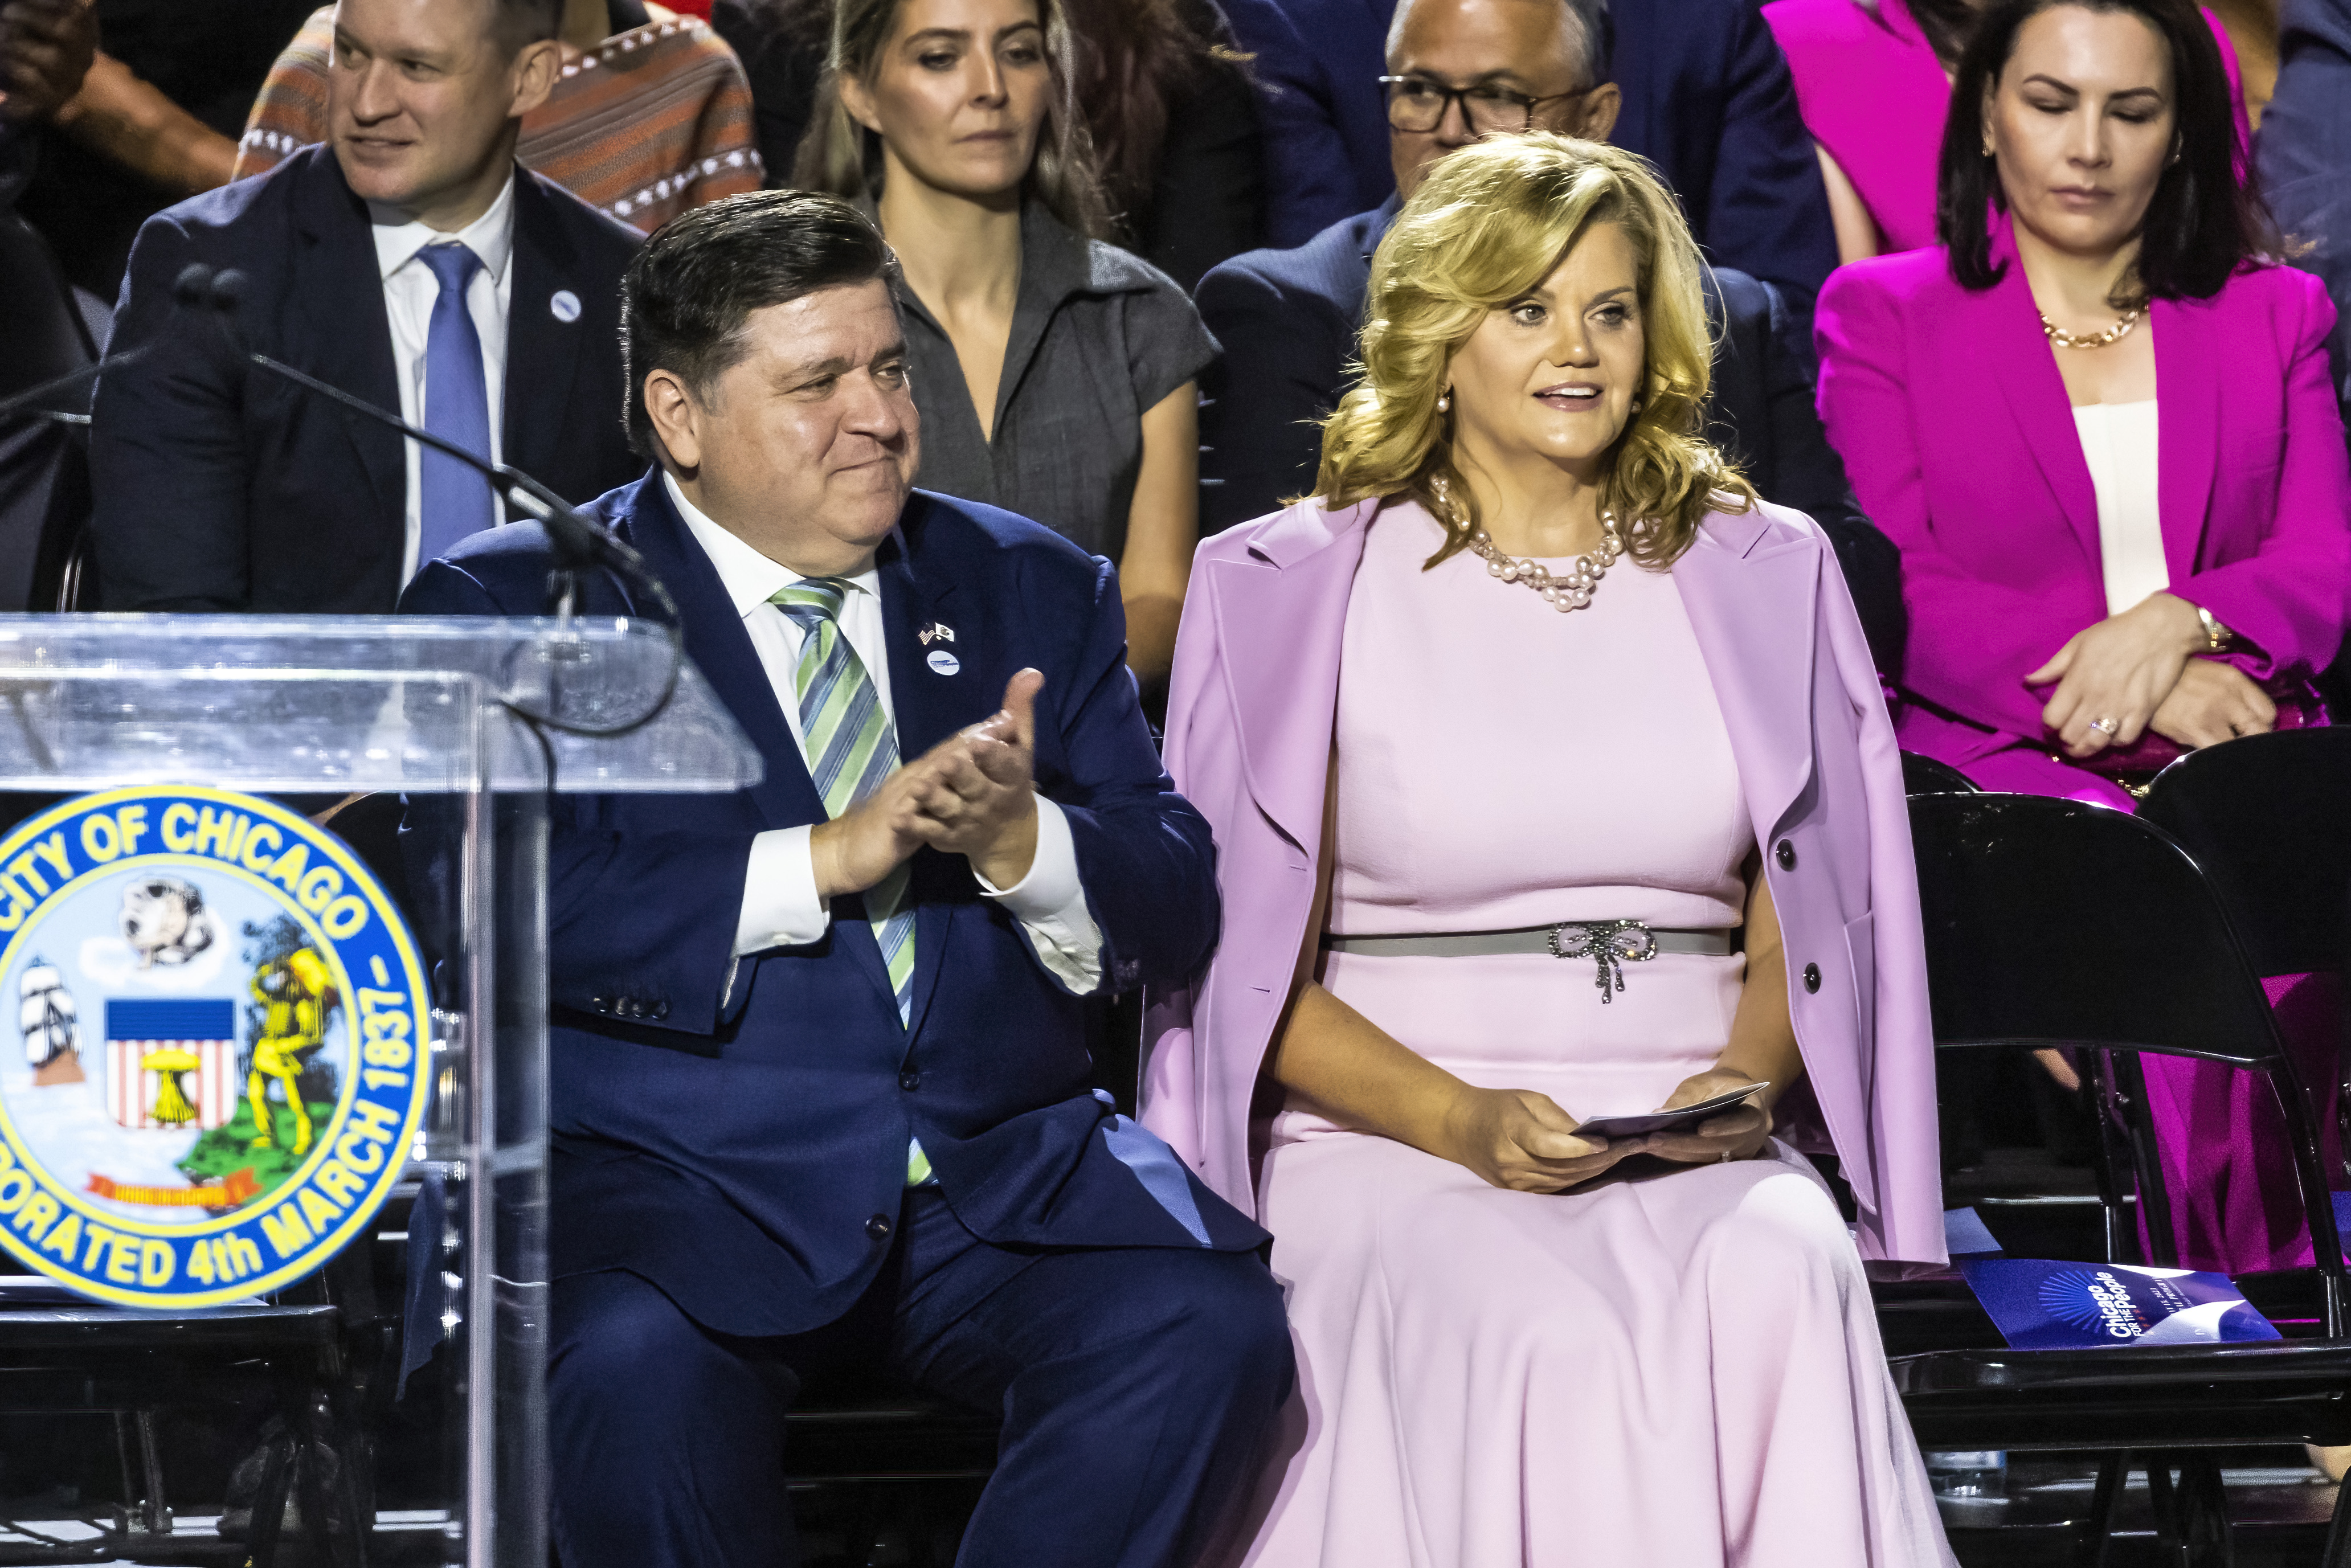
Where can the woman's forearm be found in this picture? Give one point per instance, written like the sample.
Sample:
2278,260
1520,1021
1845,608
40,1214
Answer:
1762,1048
1163,526
1357,1075
133,123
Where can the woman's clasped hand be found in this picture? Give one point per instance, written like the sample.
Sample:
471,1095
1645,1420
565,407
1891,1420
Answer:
1521,1140
2135,672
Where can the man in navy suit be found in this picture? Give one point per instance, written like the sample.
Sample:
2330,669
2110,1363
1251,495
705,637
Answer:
1289,319
1706,96
820,1090
408,260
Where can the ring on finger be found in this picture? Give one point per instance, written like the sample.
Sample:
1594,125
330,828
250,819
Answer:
2109,728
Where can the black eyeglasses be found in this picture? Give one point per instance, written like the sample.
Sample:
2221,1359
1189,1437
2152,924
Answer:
1418,104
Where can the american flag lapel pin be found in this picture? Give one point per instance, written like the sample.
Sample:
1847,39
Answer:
937,632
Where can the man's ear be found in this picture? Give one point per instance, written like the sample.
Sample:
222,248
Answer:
1597,114
675,417
535,70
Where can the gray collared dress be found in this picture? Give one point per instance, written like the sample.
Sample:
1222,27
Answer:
1099,336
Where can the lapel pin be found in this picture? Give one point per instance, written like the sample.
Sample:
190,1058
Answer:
937,632
943,662
565,305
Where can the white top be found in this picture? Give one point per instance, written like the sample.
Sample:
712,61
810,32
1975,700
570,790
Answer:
410,290
2118,443
780,906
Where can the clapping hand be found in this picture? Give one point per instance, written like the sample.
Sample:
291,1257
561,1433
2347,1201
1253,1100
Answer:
46,50
971,795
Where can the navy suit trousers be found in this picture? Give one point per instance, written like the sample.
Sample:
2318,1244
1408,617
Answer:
1138,1387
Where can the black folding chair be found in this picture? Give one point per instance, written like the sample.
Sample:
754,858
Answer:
2053,922
2269,819
1924,775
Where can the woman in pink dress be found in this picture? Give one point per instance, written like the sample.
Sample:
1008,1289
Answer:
1551,781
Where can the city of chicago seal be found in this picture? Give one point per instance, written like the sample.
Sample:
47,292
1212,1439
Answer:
222,1021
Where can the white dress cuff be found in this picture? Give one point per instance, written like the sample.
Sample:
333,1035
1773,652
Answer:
781,907
1051,905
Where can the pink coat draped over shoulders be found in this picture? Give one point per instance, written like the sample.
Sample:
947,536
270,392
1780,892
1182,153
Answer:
1249,725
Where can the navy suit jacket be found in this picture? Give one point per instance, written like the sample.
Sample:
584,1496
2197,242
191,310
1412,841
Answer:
745,1149
1708,99
219,486
1288,320
2300,154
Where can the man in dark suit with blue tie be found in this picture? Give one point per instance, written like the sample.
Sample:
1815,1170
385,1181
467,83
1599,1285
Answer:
819,1085
409,260
1461,69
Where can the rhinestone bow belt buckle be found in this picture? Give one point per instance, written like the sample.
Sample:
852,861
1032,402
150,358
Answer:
1609,944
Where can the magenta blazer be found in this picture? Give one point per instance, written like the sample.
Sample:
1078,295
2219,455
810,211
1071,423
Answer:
1872,92
1953,422
1248,741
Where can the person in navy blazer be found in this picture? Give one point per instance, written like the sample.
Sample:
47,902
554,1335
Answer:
219,486
1706,97
743,1122
1289,320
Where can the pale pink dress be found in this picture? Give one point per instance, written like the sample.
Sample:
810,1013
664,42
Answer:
1680,1371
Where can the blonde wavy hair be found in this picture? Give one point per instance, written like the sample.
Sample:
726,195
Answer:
1487,225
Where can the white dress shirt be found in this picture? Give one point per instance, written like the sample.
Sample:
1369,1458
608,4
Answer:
410,290
780,906
2118,443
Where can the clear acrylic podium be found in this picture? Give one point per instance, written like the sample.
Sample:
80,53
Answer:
478,721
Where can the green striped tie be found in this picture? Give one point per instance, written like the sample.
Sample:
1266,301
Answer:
851,748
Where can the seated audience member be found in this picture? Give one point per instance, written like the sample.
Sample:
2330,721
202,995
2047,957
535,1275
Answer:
1705,94
1519,1341
1873,81
1055,372
2097,423
2304,155
649,114
410,262
1288,318
1167,100
155,122
820,1059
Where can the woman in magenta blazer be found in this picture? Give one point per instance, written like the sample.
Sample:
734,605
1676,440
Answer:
1608,820
2098,425
1873,83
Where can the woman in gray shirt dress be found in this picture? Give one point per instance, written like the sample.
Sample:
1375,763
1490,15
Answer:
1055,374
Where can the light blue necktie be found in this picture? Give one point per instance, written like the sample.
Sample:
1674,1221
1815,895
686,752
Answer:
453,499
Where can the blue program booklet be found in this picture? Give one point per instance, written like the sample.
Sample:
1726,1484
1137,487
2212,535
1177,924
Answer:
2042,1304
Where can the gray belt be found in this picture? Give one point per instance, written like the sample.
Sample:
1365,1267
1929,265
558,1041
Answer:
1610,943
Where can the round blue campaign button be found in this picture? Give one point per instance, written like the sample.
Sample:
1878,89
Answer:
943,662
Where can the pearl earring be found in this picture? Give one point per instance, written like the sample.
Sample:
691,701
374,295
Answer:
1445,403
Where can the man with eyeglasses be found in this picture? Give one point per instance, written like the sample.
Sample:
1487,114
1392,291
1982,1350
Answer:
1459,70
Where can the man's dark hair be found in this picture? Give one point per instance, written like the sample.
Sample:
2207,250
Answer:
686,296
2204,223
529,21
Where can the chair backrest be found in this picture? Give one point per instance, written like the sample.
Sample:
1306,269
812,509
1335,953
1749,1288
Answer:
2268,818
2057,923
1923,775
42,336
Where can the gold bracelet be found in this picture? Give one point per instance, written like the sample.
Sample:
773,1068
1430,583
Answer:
2217,637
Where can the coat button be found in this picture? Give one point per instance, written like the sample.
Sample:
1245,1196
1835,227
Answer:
1811,976
661,1009
1786,856
632,1007
909,1081
878,1228
603,1004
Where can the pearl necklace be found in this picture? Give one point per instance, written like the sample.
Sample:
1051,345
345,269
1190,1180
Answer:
2113,334
1572,588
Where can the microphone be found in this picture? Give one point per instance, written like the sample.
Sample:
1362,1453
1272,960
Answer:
23,405
577,542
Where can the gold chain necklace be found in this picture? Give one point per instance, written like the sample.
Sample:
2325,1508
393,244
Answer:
2113,334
